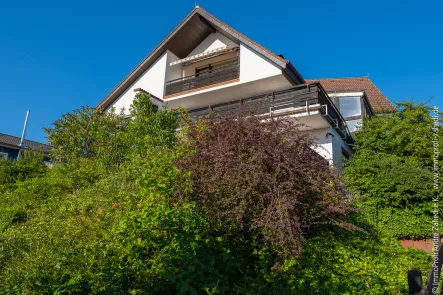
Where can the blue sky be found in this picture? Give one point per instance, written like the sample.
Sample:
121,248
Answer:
56,56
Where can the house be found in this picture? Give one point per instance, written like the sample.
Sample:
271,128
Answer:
356,98
204,65
10,147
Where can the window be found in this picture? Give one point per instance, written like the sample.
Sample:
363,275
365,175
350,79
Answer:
350,106
3,156
353,125
215,67
203,70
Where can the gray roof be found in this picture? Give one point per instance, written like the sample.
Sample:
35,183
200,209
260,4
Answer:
14,142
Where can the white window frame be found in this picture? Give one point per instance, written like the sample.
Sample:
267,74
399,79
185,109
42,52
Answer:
4,155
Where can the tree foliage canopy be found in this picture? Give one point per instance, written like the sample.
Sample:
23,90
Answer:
393,170
265,177
130,206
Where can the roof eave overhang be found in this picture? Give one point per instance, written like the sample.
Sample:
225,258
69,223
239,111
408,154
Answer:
11,146
109,99
17,147
294,74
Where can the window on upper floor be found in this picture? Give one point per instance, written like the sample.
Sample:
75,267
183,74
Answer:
350,106
353,125
203,70
353,107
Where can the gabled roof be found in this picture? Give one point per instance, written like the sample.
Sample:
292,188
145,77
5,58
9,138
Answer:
194,28
378,101
14,142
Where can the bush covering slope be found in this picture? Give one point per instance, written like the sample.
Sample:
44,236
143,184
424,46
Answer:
227,207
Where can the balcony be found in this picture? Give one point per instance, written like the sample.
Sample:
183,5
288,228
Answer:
222,73
298,100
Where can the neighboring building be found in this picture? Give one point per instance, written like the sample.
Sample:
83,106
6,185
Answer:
356,98
205,65
10,147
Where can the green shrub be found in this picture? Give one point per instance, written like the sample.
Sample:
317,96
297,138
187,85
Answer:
402,223
354,263
264,177
392,171
28,166
130,220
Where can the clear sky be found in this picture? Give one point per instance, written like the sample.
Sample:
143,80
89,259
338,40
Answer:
56,56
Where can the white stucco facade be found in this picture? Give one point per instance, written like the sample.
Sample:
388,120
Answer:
152,80
257,75
255,67
213,41
330,145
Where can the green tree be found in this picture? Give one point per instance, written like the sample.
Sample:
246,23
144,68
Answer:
392,170
30,165
264,177
86,133
123,211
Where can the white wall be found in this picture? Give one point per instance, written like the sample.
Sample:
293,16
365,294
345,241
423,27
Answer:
325,146
255,67
173,72
213,41
260,74
152,80
330,147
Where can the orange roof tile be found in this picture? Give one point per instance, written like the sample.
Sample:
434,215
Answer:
377,99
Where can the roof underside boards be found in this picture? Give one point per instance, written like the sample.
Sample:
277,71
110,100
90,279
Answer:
189,36
195,28
13,141
378,101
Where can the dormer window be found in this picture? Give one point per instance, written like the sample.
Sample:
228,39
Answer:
353,106
350,106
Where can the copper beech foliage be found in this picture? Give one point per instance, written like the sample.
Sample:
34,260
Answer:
262,175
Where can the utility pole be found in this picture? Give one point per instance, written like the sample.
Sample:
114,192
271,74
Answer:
22,140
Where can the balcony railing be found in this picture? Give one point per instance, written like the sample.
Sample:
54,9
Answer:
225,72
298,99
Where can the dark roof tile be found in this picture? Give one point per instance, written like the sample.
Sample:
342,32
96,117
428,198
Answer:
29,144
